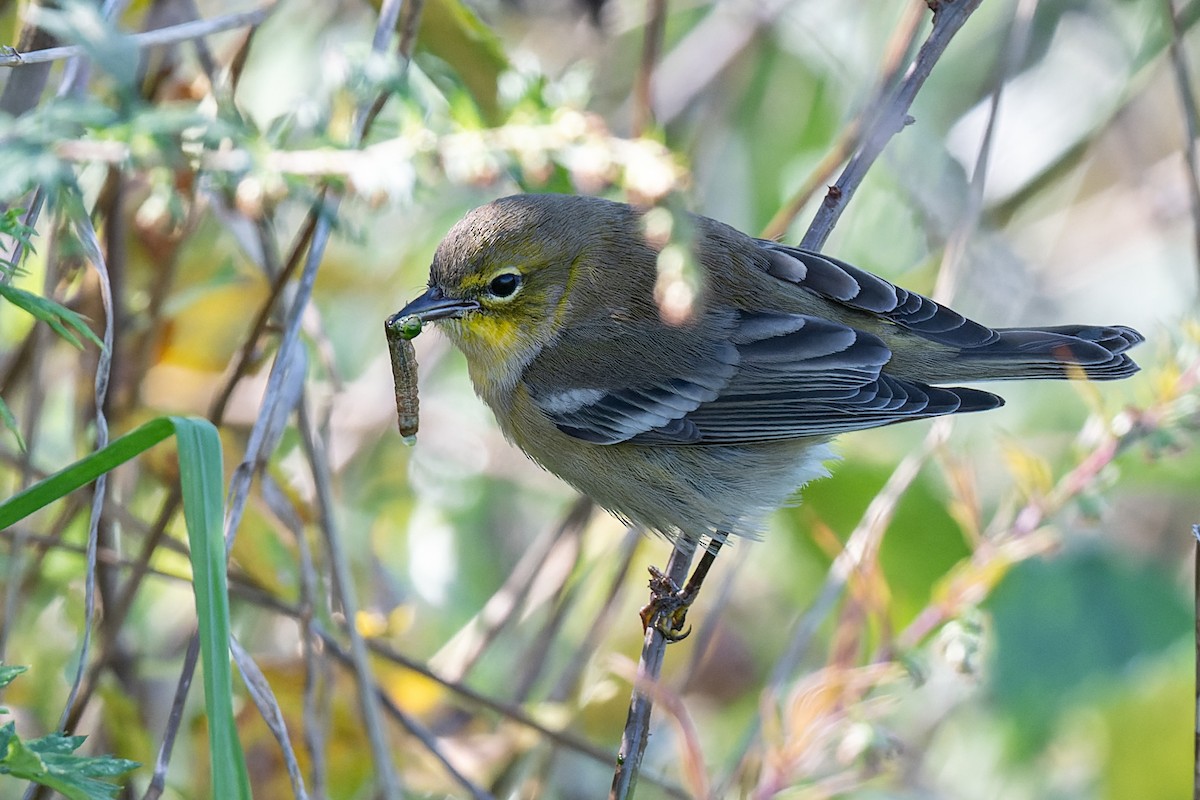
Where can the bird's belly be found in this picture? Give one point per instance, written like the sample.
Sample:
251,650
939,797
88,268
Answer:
695,491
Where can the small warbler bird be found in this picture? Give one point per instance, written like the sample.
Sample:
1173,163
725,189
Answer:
699,427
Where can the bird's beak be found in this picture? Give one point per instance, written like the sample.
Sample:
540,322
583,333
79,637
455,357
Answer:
434,305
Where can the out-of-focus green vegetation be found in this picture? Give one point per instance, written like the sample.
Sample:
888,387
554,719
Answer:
1017,623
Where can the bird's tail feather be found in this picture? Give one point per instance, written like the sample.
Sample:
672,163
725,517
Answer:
1086,352
1062,351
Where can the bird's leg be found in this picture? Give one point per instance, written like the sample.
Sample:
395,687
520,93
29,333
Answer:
668,606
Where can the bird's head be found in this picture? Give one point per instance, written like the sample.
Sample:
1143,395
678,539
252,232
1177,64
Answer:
511,274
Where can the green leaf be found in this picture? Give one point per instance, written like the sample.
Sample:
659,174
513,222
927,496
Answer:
10,422
56,744
13,224
19,759
1073,624
9,673
51,761
453,32
62,319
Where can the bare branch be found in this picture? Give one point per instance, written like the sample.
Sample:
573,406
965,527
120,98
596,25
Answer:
172,34
643,88
889,118
1191,120
637,723
898,48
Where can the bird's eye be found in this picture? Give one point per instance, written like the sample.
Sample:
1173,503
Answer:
505,284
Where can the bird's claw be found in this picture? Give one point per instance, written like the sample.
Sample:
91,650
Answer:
667,610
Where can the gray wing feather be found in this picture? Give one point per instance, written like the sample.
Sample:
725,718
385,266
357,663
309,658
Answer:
783,376
859,289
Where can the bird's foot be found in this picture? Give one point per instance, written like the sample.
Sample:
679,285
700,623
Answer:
667,610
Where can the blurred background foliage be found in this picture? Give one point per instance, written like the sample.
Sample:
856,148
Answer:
1018,620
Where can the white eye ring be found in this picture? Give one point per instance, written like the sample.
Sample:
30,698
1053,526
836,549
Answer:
505,283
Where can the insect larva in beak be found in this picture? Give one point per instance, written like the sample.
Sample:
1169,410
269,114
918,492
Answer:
404,372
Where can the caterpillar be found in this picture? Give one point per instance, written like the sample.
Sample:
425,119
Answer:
400,333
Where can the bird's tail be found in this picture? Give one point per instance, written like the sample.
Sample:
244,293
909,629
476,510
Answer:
1062,351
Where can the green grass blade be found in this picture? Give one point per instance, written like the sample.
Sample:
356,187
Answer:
84,471
202,484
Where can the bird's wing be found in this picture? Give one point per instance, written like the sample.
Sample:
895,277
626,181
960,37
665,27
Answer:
860,290
617,391
772,377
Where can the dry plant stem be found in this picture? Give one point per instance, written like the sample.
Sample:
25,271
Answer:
691,759
24,90
458,656
208,63
707,629
1191,121
385,26
568,679
254,595
1196,686
316,672
1015,46
889,118
14,249
103,555
109,206
169,35
899,46
282,394
637,723
314,450
846,144
415,728
158,778
86,235
643,90
539,650
246,355
706,51
272,714
409,27
1006,544
388,15
861,548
